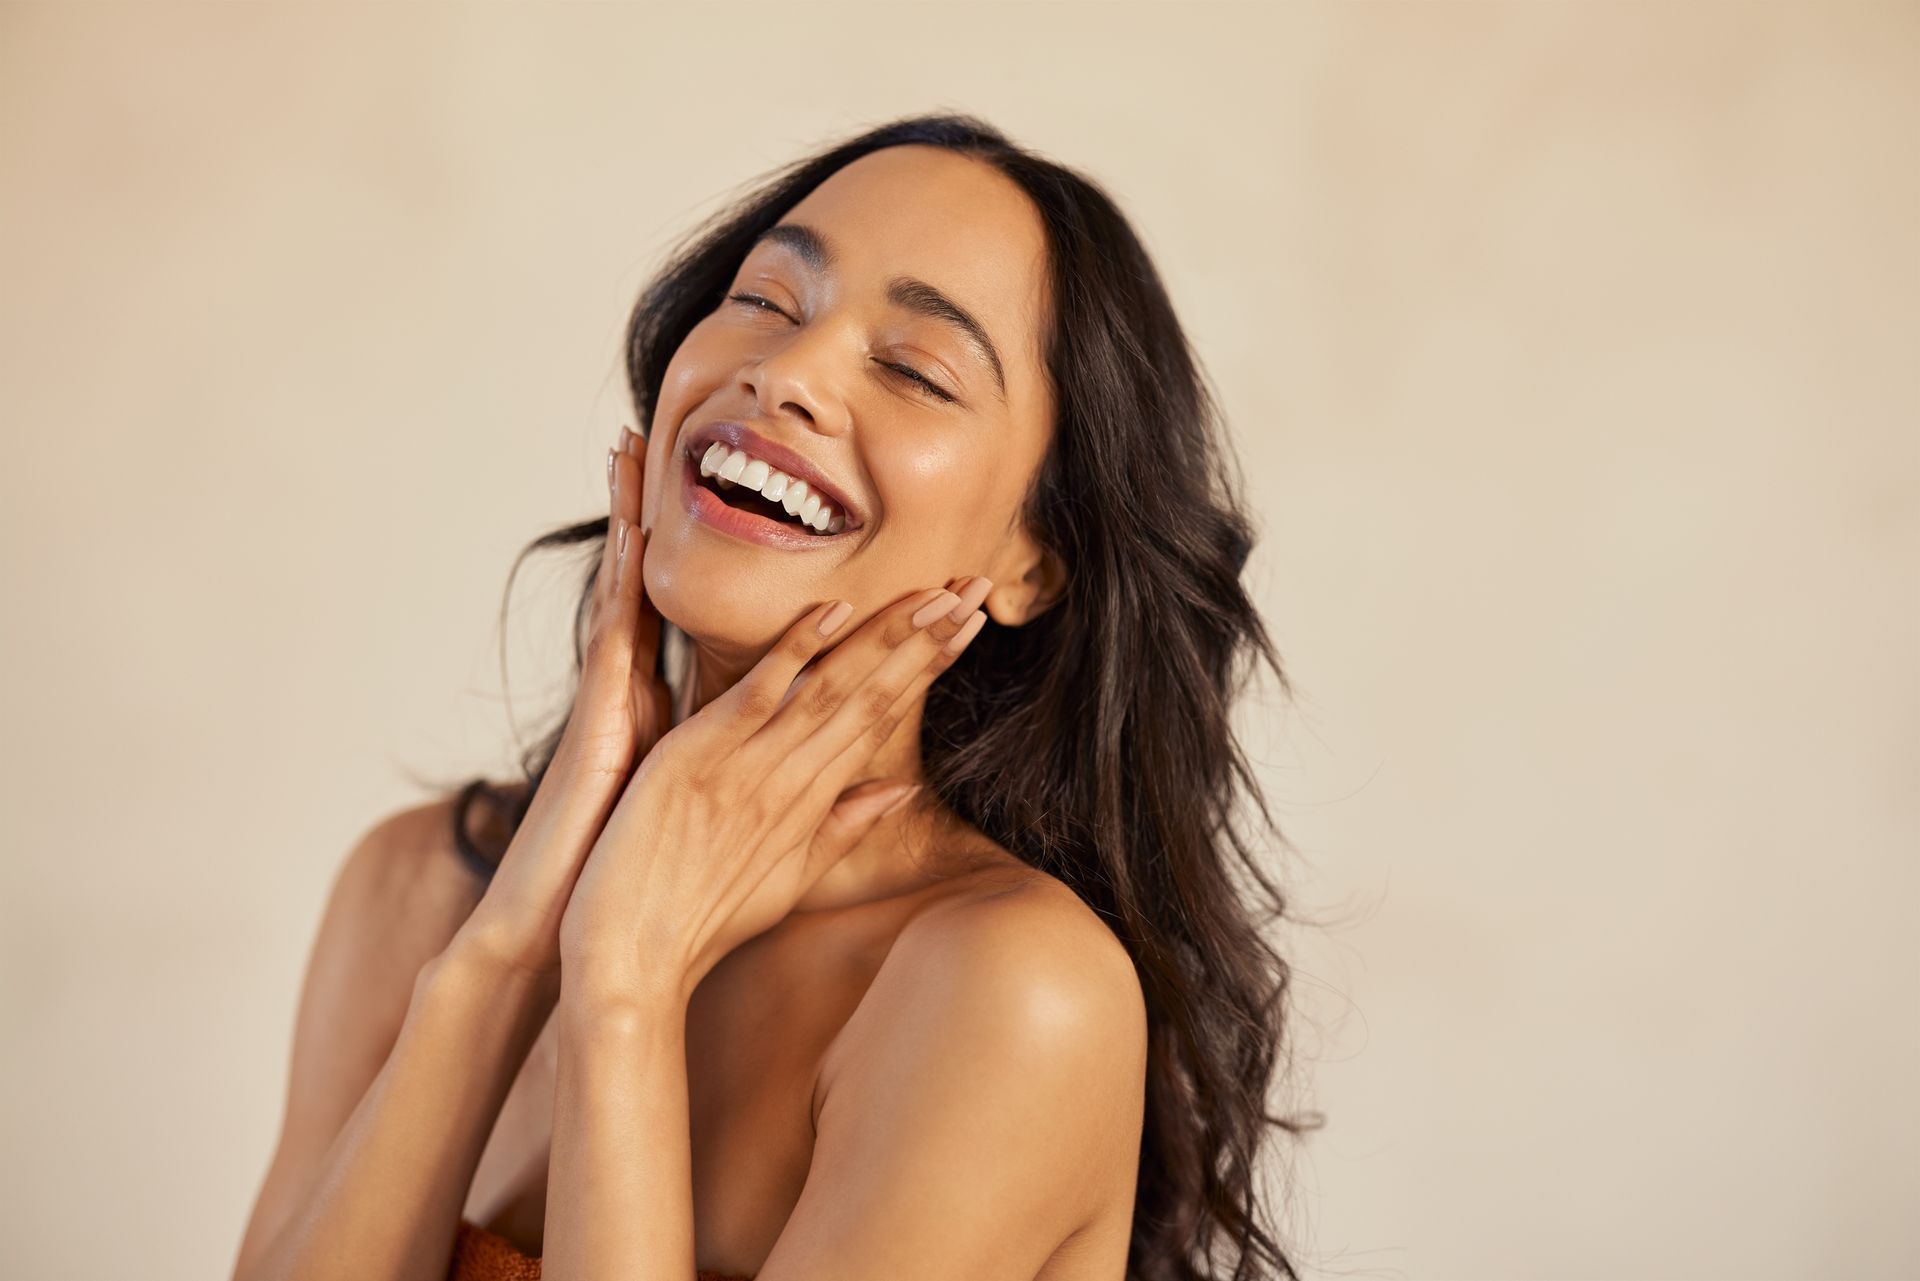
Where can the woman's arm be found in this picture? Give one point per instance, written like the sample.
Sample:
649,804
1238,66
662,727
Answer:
620,1177
385,1204
735,813
398,897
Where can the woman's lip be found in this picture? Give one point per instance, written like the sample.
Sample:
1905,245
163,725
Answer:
706,507
738,436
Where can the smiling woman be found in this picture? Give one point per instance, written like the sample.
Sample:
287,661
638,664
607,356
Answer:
879,907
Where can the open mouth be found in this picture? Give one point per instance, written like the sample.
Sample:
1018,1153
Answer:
755,489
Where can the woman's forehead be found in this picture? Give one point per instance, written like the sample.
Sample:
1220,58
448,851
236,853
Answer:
935,216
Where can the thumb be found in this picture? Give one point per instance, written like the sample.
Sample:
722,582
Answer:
853,815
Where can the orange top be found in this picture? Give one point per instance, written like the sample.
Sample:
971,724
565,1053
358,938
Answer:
480,1255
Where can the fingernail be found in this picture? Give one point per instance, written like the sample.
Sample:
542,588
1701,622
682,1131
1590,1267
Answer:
831,620
934,608
610,454
976,591
621,549
968,630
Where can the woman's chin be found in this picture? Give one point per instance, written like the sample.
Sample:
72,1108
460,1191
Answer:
736,616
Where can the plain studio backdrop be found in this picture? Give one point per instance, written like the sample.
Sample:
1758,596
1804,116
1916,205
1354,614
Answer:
1570,351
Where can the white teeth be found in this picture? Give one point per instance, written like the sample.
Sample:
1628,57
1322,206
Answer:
731,466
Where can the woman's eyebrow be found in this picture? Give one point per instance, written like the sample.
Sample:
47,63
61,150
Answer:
908,292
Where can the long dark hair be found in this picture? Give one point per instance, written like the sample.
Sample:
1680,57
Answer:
1094,742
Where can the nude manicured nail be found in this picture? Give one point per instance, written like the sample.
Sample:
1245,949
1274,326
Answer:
831,620
976,591
968,630
934,608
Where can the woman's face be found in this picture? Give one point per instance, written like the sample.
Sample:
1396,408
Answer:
864,280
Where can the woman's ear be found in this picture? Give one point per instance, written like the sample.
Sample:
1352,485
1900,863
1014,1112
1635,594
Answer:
1030,578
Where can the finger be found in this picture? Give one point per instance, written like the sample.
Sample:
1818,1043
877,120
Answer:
603,577
847,740
569,808
841,703
597,733
795,700
872,636
632,465
626,479
756,698
855,756
852,816
589,765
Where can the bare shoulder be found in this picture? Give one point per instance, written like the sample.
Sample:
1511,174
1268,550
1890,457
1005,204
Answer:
1033,942
397,898
996,1076
1017,959
407,884
1021,915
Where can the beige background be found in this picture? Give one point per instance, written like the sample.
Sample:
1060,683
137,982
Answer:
1571,352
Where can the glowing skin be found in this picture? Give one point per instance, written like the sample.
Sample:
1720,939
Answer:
939,482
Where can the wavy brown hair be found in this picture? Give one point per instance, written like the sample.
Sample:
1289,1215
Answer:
1094,742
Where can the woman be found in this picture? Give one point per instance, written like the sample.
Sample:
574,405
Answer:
873,912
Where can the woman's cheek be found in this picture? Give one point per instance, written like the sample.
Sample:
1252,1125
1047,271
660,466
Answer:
932,479
941,514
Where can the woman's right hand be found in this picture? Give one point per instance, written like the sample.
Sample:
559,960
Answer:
620,712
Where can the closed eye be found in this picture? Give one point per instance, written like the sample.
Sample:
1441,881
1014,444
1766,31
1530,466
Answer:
757,302
908,371
926,385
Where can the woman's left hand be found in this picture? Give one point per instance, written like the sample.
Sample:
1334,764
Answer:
739,809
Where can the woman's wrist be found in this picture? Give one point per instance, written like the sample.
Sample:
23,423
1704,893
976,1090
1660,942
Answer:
607,989
470,964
